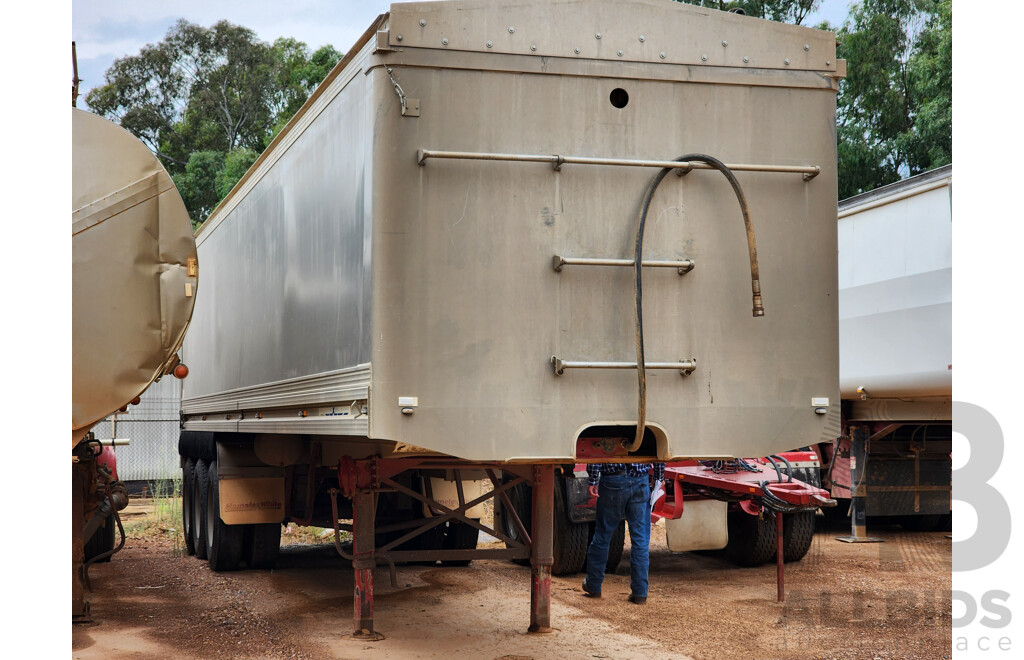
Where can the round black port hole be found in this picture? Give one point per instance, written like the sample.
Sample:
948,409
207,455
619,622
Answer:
619,97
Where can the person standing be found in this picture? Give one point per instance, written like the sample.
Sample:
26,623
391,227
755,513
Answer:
623,492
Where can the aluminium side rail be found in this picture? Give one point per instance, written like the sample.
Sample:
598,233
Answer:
422,155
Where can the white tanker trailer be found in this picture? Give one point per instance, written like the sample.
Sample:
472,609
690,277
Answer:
896,354
451,268
134,277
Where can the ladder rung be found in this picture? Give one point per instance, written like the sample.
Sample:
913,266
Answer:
683,267
685,367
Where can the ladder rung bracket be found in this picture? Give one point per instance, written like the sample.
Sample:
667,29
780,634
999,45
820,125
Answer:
558,261
685,367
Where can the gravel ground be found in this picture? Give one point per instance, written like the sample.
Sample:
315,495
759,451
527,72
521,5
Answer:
851,601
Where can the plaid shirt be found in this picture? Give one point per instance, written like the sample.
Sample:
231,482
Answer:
595,470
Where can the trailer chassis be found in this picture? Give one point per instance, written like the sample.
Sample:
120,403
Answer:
362,480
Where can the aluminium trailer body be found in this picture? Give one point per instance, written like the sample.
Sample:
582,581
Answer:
434,261
896,352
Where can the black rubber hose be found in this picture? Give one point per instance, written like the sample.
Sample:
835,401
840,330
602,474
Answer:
789,466
755,277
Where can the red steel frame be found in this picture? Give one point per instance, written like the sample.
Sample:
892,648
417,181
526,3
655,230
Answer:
749,489
361,480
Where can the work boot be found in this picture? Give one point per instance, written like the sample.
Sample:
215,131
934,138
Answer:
588,592
639,600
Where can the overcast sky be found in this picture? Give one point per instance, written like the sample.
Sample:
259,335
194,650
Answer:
105,30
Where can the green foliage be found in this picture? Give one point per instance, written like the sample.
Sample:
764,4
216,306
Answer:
895,107
894,115
207,101
783,11
237,162
197,184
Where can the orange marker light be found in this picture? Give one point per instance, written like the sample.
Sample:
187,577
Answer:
180,371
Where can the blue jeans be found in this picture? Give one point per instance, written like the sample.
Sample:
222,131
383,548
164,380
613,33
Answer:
621,498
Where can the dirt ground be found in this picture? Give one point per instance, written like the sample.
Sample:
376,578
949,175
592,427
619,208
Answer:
887,601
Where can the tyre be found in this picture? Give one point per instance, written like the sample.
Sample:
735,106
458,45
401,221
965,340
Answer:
102,541
797,535
522,502
459,536
615,546
569,539
200,483
223,542
752,539
262,545
187,494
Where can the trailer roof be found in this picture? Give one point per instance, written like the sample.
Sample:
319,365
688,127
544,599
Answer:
899,189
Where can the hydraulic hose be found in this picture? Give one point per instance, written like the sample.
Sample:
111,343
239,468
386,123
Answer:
755,277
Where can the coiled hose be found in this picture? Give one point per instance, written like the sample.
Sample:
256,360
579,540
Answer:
755,277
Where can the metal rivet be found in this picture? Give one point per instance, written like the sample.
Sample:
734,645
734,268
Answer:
642,38
724,43
444,41
533,46
399,37
511,30
807,46
662,55
703,58
597,35
423,22
745,59
620,53
489,44
787,61
576,50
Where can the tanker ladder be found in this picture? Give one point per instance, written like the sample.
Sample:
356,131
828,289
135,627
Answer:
362,480
743,483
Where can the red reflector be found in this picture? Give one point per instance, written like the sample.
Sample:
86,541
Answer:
180,371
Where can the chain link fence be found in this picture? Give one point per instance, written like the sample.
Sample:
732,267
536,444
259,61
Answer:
152,429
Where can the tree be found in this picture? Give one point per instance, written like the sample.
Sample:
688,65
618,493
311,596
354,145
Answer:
894,113
894,116
783,11
207,101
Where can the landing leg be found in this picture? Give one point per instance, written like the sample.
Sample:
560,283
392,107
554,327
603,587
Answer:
858,489
363,561
542,555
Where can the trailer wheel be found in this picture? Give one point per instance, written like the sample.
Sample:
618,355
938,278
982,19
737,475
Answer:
569,539
459,536
519,497
223,542
102,541
200,490
797,534
615,546
187,494
751,539
262,545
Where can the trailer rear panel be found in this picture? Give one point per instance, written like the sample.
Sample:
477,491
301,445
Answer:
359,290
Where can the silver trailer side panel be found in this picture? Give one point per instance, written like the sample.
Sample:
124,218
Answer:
454,271
896,289
289,283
